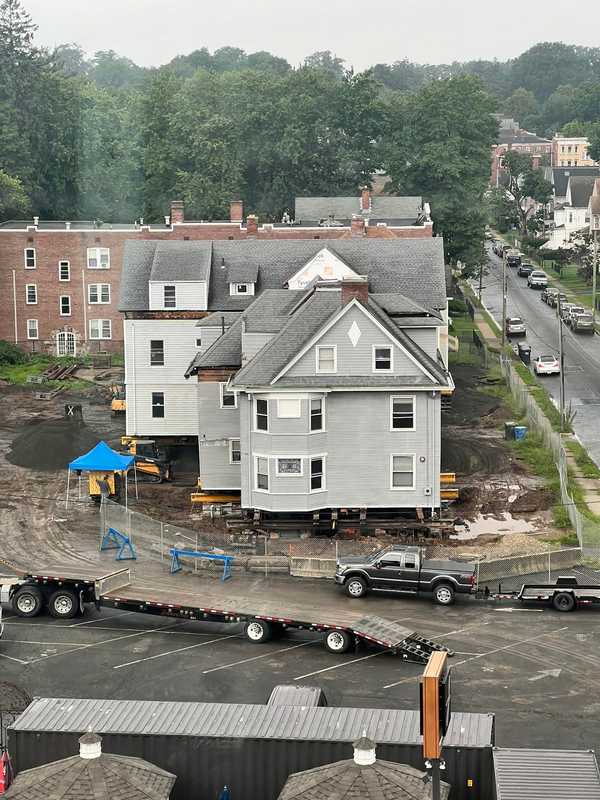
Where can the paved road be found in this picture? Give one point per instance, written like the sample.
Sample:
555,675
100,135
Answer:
582,352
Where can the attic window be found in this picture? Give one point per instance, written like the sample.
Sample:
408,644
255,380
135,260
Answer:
242,289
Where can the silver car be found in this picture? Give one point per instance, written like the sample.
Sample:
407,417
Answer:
582,323
515,326
537,279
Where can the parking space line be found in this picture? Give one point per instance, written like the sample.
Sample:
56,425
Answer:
123,630
100,619
487,653
12,658
172,652
339,666
27,641
256,658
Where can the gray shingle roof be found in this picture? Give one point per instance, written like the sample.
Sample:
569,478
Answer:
510,136
345,780
399,305
412,267
182,261
216,319
342,208
561,175
581,187
341,381
225,352
242,273
108,777
546,774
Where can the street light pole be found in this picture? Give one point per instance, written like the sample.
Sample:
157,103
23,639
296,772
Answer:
503,320
594,277
562,366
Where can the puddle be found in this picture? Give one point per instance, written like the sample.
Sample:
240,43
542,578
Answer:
498,525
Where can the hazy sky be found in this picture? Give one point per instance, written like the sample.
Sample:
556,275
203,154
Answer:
151,32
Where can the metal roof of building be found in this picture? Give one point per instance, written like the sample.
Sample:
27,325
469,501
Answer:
546,774
228,720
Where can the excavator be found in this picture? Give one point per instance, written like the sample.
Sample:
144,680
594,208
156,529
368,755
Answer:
149,461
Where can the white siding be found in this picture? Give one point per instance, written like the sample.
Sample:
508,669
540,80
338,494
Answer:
141,379
190,295
215,428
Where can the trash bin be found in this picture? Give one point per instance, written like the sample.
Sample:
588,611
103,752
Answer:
520,432
509,428
524,351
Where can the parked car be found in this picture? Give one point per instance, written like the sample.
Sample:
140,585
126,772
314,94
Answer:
515,326
554,298
537,279
582,323
564,310
573,310
404,570
547,294
525,270
513,257
546,365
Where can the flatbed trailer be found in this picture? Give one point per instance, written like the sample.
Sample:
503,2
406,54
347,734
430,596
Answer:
567,594
65,594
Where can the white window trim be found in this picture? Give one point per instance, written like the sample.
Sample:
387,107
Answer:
412,397
231,441
255,428
320,347
323,428
414,483
164,354
164,394
25,249
198,339
289,474
382,347
233,289
311,458
64,262
256,489
37,330
235,398
101,337
99,301
29,302
60,306
288,400
97,251
166,307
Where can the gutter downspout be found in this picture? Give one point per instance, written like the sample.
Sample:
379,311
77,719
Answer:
134,407
250,401
85,327
14,276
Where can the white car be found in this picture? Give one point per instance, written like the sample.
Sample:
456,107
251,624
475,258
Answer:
546,365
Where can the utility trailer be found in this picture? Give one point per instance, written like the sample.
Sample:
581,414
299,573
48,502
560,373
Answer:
65,594
567,594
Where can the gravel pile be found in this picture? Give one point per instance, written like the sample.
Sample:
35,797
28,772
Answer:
51,445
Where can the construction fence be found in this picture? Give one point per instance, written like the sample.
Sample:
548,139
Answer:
586,528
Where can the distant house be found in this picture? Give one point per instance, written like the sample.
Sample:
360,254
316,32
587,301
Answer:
573,214
512,137
571,151
375,210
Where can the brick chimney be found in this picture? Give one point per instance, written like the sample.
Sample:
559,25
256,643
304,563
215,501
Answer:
357,287
252,225
177,212
365,199
357,226
236,210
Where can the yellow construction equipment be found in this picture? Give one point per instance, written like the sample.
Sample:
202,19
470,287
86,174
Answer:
118,404
148,460
213,496
108,482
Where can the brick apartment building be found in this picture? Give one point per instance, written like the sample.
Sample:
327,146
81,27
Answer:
60,281
512,137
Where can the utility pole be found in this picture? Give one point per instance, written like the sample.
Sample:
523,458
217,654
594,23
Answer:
594,276
562,366
503,320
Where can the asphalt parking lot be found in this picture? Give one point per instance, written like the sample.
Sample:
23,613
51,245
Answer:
536,669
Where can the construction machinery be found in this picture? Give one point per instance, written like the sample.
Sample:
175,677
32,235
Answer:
118,404
149,461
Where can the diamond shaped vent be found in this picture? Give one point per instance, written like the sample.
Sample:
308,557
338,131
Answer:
354,333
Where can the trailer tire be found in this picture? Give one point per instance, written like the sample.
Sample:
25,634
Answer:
338,641
258,631
28,601
563,601
443,594
63,604
356,587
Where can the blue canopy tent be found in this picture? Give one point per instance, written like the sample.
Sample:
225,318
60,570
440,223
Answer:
102,458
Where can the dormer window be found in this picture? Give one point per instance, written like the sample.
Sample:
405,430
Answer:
241,288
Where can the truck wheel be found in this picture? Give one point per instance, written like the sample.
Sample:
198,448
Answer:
337,641
356,587
563,601
258,631
28,601
63,604
443,594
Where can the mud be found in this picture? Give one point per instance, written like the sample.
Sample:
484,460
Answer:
51,445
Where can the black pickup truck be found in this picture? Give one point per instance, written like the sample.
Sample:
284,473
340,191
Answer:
403,569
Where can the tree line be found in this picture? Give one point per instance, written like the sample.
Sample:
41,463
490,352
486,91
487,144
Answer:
102,138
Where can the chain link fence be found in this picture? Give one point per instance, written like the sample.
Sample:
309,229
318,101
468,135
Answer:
586,528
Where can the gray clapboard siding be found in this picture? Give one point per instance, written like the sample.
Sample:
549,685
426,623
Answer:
426,338
216,426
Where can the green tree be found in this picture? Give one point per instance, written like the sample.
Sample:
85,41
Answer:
110,70
501,212
559,108
525,184
438,145
13,200
521,106
547,65
327,61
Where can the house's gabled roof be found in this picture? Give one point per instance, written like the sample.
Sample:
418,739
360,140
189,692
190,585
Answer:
181,261
314,209
218,318
561,175
225,352
412,267
242,273
581,188
399,305
511,136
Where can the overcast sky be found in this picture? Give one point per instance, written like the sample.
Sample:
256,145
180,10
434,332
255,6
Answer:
151,32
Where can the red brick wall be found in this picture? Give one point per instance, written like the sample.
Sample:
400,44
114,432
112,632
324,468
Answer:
54,246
